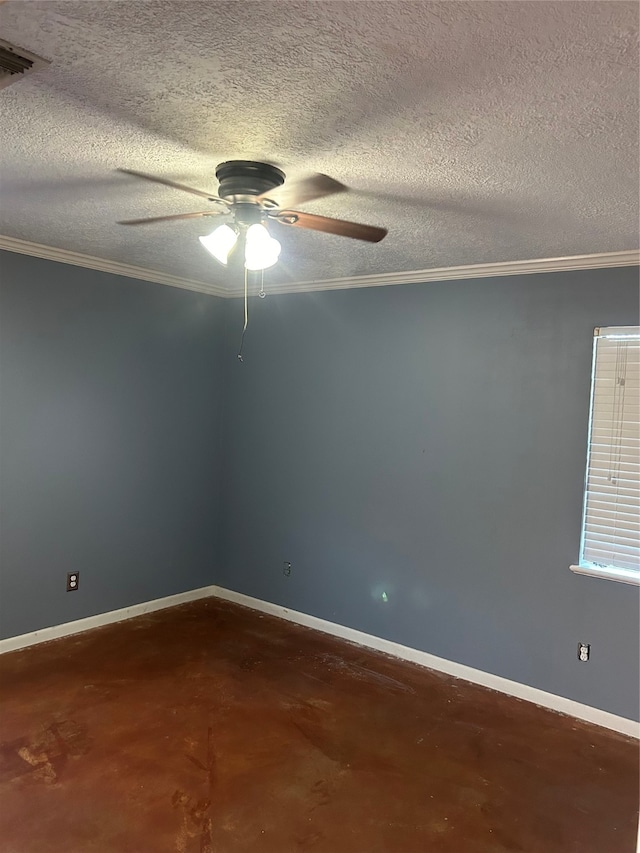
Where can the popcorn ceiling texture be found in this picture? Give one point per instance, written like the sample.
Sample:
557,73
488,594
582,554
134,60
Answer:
476,132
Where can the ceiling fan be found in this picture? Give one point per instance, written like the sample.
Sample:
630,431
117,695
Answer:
251,194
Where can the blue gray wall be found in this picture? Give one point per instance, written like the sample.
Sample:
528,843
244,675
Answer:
110,403
416,452
428,442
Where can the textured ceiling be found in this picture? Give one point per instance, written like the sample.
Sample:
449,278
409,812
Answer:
476,132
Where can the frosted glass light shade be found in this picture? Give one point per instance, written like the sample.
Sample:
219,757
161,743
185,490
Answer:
220,242
261,250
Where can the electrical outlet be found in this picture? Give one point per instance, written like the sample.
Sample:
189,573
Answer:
286,569
73,579
584,650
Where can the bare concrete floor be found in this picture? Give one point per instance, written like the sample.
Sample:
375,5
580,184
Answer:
213,729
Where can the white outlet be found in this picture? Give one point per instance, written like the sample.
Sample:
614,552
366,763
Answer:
584,650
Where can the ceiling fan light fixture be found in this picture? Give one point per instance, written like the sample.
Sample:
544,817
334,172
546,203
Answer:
261,249
220,243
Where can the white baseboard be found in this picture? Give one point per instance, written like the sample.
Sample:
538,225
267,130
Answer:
43,635
458,670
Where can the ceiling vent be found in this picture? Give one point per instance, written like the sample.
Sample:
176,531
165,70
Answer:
16,63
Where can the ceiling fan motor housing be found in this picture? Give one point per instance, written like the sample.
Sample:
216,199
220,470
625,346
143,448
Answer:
247,178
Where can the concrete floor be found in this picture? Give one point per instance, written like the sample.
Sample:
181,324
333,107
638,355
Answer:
213,729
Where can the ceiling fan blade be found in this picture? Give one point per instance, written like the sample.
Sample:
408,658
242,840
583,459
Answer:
168,218
341,227
307,189
167,183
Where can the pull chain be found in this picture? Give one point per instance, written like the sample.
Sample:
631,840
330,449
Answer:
246,311
261,294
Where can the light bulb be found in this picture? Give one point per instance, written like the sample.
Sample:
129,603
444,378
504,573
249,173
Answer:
220,243
261,250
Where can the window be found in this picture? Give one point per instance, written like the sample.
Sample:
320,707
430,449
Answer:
610,542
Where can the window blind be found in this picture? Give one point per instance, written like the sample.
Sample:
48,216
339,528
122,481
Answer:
611,524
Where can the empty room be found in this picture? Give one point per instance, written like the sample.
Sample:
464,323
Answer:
319,426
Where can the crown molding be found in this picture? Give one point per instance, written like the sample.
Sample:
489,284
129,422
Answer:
50,253
602,260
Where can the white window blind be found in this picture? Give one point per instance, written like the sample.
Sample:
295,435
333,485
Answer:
611,522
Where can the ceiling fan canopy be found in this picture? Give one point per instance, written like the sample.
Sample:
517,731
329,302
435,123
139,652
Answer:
240,178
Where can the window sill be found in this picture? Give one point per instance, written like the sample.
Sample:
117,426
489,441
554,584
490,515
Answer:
619,575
